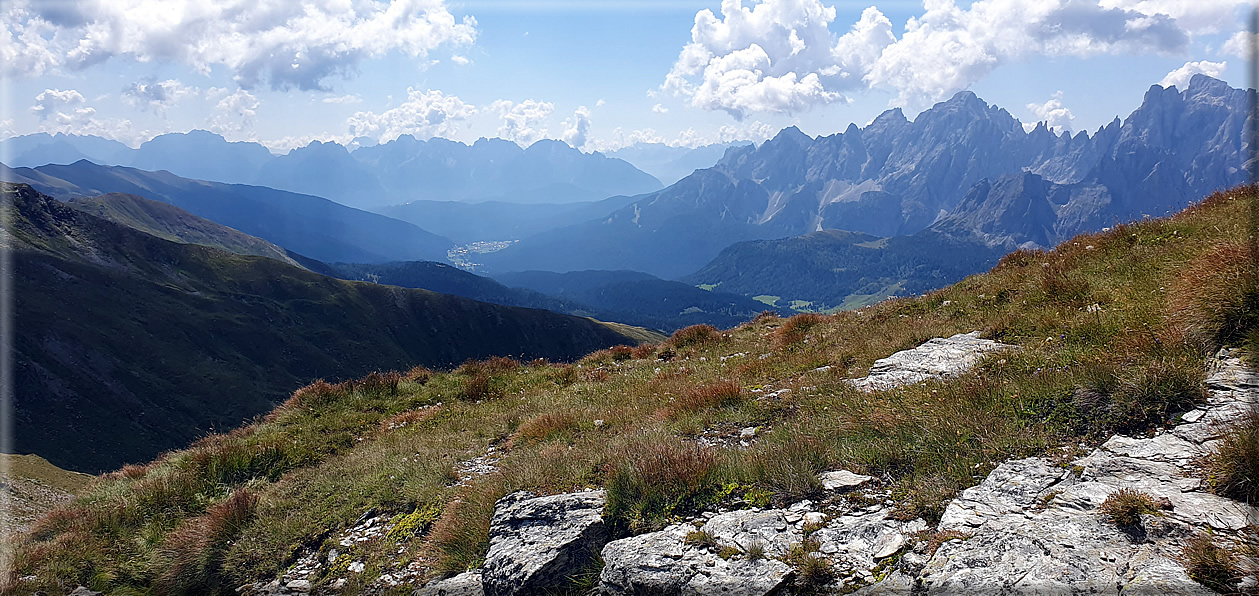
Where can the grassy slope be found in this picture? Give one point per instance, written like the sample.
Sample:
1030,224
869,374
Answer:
1101,352
169,222
133,345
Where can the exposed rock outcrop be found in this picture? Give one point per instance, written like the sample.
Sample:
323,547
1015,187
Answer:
537,543
936,359
1034,526
464,584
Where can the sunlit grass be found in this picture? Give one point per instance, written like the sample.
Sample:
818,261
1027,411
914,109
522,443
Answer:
1107,342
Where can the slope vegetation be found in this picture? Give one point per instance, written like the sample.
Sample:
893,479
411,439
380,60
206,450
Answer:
169,222
128,344
1112,330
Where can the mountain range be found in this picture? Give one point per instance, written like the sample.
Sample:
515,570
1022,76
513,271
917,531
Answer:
399,171
133,344
305,224
969,169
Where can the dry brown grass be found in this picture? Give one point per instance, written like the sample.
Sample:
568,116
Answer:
795,329
1212,566
1125,507
719,394
545,427
648,481
1233,468
1215,298
693,336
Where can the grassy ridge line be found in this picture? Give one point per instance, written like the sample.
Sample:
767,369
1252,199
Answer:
134,345
1113,328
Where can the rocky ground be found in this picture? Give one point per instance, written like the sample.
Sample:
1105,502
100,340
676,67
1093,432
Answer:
1031,527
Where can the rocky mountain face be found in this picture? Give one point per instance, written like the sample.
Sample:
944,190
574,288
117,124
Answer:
963,164
670,164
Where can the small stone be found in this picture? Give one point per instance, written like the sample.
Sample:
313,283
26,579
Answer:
358,566
842,480
340,583
598,423
747,433
815,518
888,545
1193,415
300,585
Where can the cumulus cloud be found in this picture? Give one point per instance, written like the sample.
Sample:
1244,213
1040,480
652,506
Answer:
1198,17
659,109
1180,77
67,111
424,114
1053,113
52,103
234,113
784,55
156,96
521,120
577,128
948,48
275,42
1238,45
460,60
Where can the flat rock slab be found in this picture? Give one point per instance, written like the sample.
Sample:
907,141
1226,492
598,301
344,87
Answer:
464,584
842,480
936,359
1033,527
537,543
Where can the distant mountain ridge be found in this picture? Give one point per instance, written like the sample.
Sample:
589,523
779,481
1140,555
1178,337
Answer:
305,224
398,171
895,177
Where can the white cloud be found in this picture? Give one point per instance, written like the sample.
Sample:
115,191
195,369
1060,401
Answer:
659,109
782,56
344,99
1180,77
599,104
1053,113
234,113
520,121
577,128
460,60
424,114
276,42
776,56
1238,45
51,102
66,111
948,48
156,96
1198,17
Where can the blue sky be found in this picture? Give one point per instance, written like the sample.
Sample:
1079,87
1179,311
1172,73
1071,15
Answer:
596,73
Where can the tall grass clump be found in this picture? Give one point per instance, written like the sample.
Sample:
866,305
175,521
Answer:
192,555
1211,565
718,394
1216,296
648,482
796,328
695,335
1233,468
